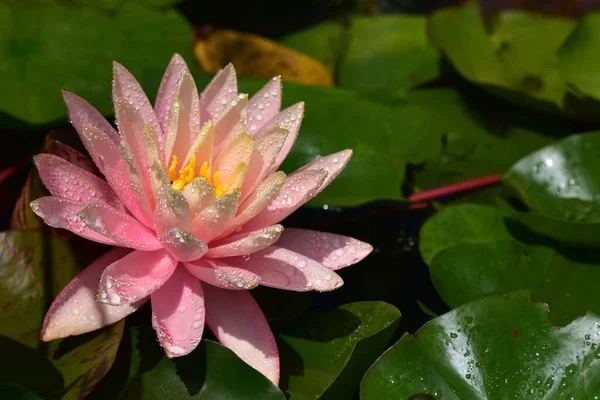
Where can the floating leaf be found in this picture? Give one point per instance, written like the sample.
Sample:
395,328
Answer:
490,255
560,184
37,66
324,354
578,58
253,55
383,54
34,268
459,225
517,60
497,347
388,54
211,371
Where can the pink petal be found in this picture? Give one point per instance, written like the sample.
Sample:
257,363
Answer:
297,190
183,124
128,88
289,119
117,172
178,313
63,214
142,143
182,245
266,147
68,181
82,113
231,123
172,209
264,105
284,269
188,94
237,151
118,226
218,94
199,194
167,91
256,202
245,243
176,132
135,276
333,164
224,276
333,251
202,147
238,323
76,311
213,219
73,156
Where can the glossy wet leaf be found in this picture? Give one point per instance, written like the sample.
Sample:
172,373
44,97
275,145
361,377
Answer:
493,255
324,354
561,183
37,67
253,55
35,267
578,60
459,225
500,346
209,372
560,180
519,56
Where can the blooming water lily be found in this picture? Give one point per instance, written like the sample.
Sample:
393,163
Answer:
191,200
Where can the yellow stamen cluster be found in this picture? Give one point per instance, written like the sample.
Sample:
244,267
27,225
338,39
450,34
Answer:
188,173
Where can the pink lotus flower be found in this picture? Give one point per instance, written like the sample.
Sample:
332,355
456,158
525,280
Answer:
191,201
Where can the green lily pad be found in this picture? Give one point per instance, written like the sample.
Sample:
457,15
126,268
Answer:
517,59
388,54
560,185
324,42
324,354
37,64
211,371
459,225
411,129
561,180
492,256
498,347
578,60
34,268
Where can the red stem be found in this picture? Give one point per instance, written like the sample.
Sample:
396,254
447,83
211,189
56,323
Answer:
455,188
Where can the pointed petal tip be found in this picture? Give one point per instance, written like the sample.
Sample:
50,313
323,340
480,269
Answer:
335,282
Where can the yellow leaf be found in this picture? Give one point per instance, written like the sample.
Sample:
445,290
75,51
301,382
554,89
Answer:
253,55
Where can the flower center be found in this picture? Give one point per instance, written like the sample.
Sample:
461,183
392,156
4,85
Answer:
188,174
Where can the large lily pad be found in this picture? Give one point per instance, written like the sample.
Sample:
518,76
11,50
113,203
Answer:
37,65
211,371
388,54
560,185
517,59
377,54
498,347
578,60
491,255
459,225
324,354
34,268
